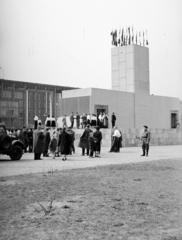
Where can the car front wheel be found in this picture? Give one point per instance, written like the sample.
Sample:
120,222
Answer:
16,152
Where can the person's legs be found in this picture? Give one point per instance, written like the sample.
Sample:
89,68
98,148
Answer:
83,151
37,156
147,149
87,151
143,149
73,147
91,152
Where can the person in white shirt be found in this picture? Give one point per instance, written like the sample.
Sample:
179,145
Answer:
116,140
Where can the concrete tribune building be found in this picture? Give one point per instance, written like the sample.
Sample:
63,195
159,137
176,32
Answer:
129,98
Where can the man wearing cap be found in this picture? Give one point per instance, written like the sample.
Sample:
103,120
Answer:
145,141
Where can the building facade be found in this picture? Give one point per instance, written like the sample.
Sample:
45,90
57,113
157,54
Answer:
21,101
130,97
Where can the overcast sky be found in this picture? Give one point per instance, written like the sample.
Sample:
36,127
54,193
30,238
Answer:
68,42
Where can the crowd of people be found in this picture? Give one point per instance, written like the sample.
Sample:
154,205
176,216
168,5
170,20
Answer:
59,142
81,121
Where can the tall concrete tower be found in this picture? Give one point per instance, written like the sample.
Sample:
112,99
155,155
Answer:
130,69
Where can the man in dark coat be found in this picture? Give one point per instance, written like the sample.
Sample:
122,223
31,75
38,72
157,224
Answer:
84,140
113,119
72,139
47,140
97,138
38,141
64,143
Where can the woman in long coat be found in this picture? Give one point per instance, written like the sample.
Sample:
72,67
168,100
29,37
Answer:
38,143
64,143
84,140
97,138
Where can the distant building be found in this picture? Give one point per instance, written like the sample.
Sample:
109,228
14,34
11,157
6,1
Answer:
21,101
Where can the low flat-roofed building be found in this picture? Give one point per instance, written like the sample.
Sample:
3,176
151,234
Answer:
130,97
131,110
21,101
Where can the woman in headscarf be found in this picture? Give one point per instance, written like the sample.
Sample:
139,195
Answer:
116,141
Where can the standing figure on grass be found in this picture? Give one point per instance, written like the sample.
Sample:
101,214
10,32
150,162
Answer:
64,144
84,140
53,144
97,139
145,141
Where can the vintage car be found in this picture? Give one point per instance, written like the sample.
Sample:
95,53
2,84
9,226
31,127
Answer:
9,145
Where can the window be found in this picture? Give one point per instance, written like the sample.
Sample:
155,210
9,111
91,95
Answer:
174,119
18,95
6,94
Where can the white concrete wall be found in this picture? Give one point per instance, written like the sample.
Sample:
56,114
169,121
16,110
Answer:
130,68
158,137
155,111
76,93
141,69
121,103
132,110
122,68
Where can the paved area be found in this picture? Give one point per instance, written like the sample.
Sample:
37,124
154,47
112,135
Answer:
127,155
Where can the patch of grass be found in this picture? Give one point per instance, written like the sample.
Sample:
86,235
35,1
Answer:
131,201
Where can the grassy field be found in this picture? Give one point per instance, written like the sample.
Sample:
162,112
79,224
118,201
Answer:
128,202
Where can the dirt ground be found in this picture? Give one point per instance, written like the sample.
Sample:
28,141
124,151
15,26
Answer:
138,201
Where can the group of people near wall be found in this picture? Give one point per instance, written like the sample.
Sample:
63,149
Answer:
81,121
58,143
90,141
61,142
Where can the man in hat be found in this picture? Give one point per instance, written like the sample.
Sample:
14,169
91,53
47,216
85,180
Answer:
145,141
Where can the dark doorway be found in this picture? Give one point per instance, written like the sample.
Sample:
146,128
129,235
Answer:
101,109
174,119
